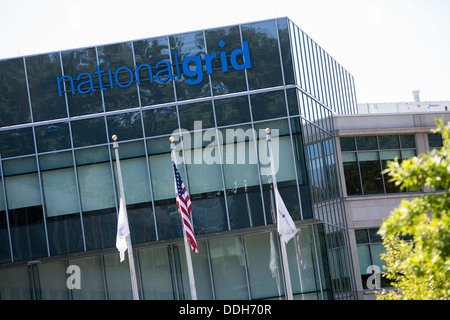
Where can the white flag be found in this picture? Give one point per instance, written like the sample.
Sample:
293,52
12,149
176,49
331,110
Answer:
286,226
122,231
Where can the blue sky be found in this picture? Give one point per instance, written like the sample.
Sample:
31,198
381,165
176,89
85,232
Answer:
390,46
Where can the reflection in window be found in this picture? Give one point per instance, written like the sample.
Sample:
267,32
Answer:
233,80
262,40
45,100
76,62
113,57
126,126
16,142
88,132
15,108
160,121
150,51
189,44
227,257
53,137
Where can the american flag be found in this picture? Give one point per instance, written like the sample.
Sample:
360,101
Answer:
185,205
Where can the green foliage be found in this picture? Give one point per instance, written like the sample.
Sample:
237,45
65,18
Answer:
420,269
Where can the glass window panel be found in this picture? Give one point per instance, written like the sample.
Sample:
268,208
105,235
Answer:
227,258
389,142
361,236
232,80
407,154
374,236
156,273
19,165
160,121
202,273
162,176
367,156
112,58
76,62
208,213
364,258
435,140
390,187
198,172
264,54
43,71
377,250
5,252
135,180
231,111
117,276
15,108
407,141
389,155
96,186
190,113
348,144
152,51
352,181
126,126
56,160
349,157
60,194
292,100
282,157
242,185
264,265
16,142
2,198
366,143
97,197
14,284
301,260
92,284
268,105
88,132
53,137
25,217
370,173
91,155
18,186
285,45
189,45
52,279
240,165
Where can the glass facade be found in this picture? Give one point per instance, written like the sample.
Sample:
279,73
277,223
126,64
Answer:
216,91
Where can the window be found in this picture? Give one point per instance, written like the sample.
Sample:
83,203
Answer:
364,159
435,141
369,246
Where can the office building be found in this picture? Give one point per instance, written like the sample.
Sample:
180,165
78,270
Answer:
220,88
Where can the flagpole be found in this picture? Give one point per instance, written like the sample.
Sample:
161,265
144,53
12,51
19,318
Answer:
134,286
287,277
186,241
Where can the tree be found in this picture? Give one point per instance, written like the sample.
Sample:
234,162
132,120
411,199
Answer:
420,268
